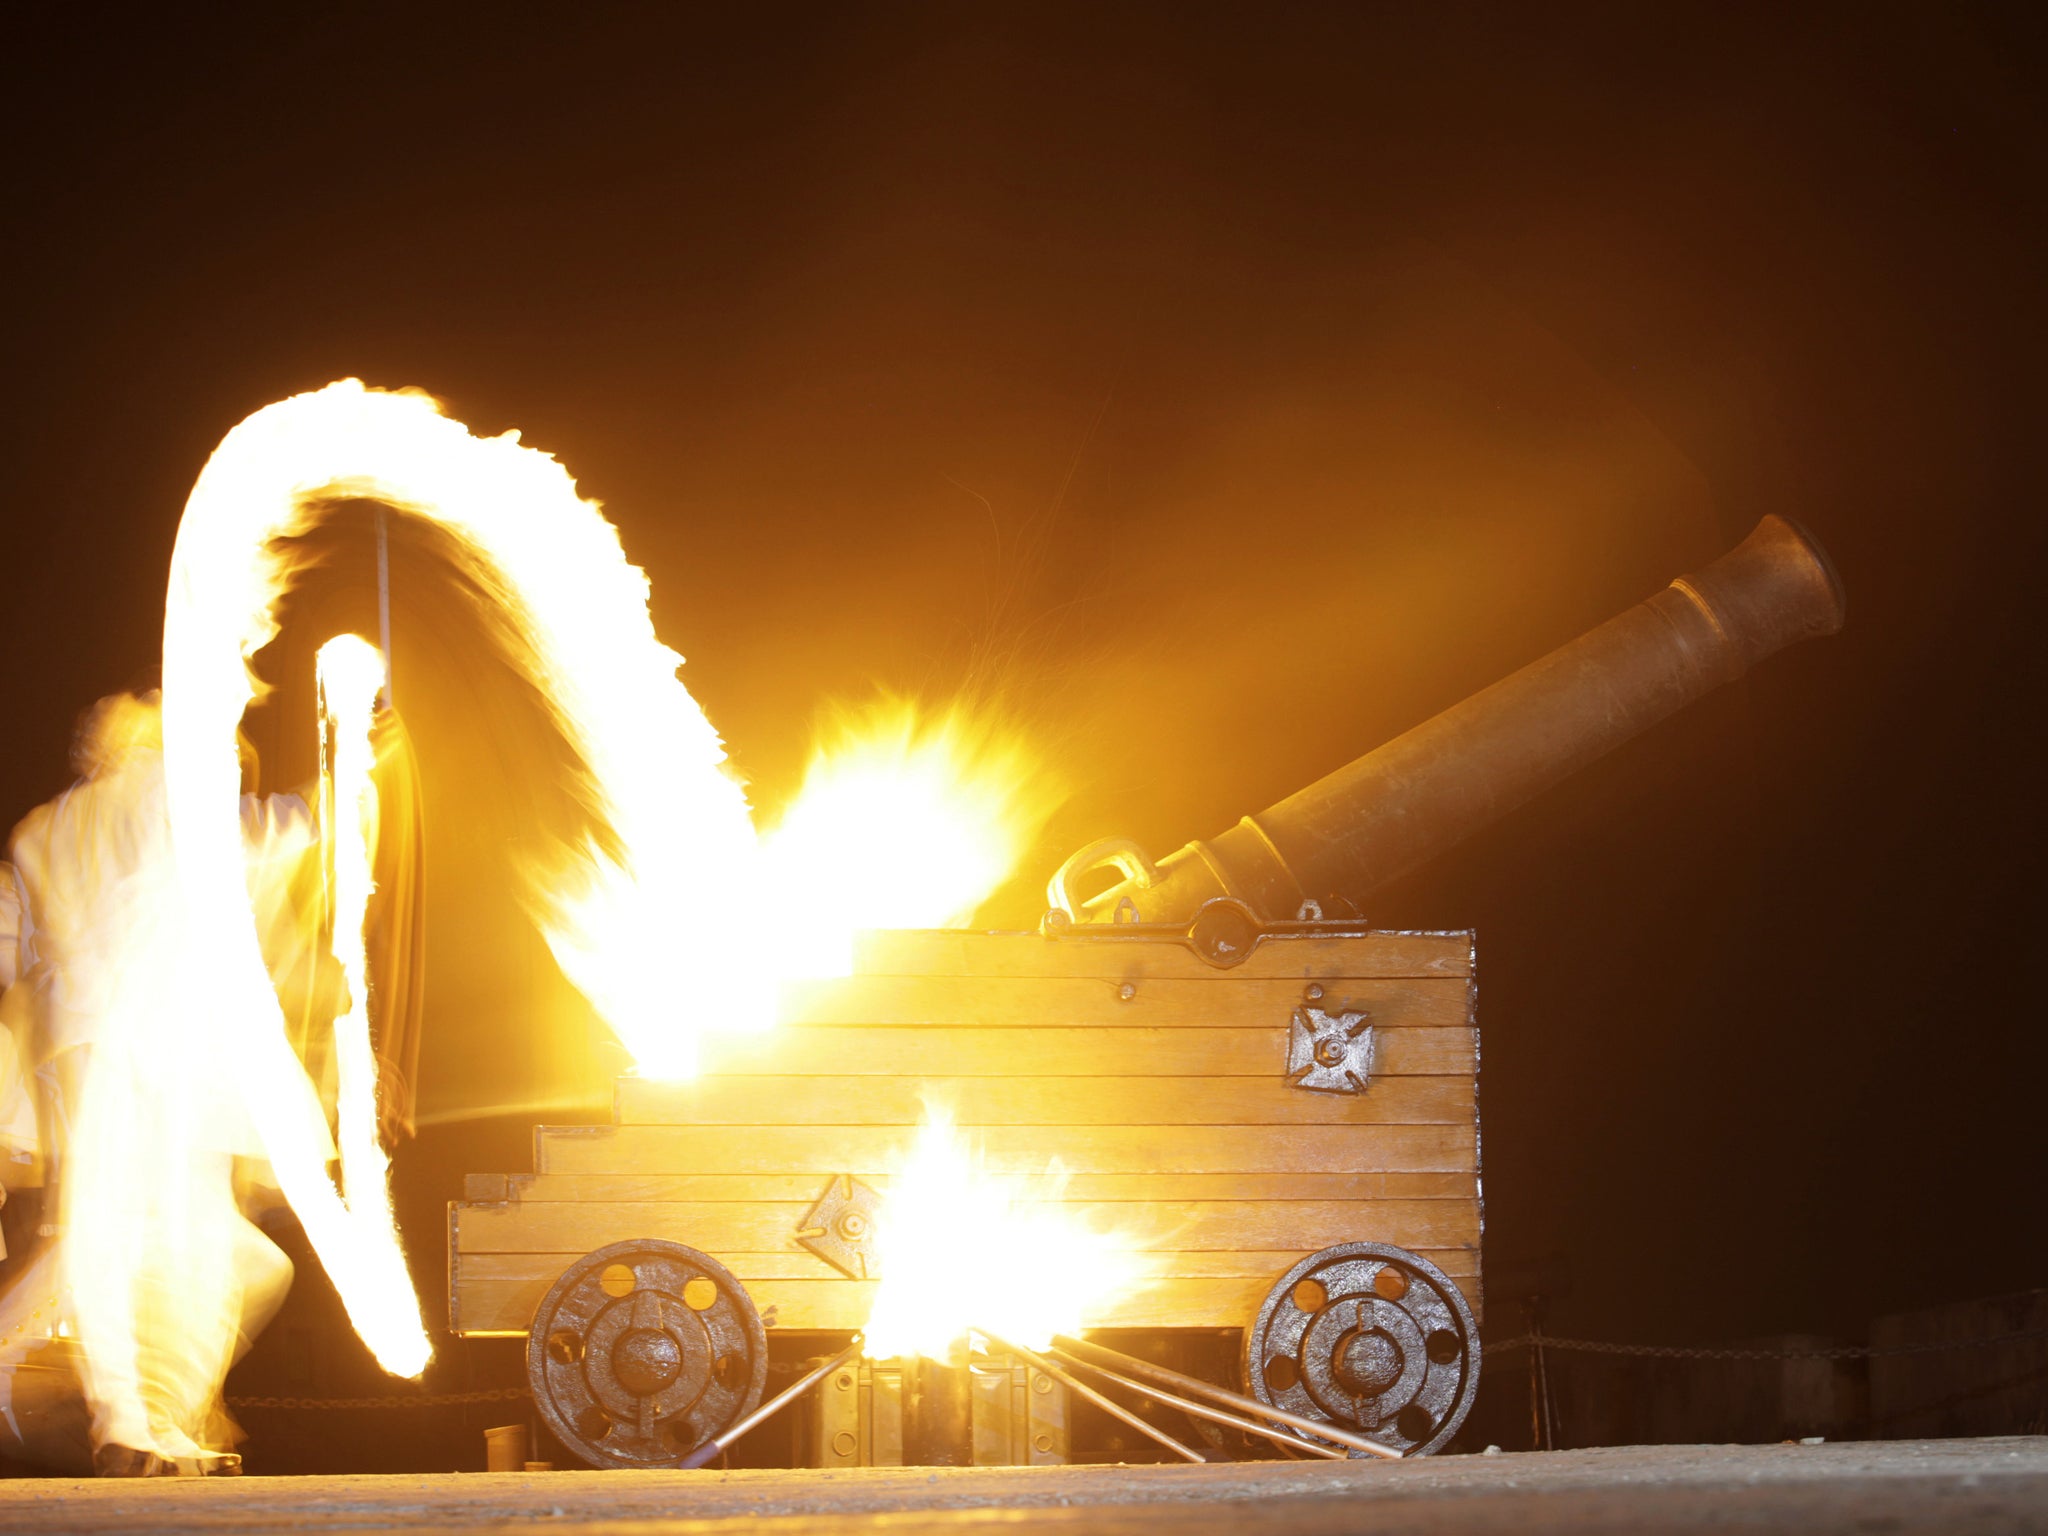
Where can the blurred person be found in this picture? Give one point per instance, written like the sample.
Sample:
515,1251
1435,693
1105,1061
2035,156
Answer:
18,1139
115,1065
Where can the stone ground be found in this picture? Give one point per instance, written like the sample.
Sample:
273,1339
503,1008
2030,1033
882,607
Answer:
1957,1487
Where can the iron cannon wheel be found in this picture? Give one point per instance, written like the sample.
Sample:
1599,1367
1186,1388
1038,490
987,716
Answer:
1372,1338
643,1351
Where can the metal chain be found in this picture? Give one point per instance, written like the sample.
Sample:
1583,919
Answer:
1496,1347
1678,1352
429,1400
436,1399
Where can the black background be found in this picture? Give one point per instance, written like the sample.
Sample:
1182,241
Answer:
1224,390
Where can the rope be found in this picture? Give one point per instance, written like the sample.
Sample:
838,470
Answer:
1679,1352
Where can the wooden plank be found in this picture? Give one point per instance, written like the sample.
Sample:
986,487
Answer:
951,952
1028,1002
715,1227
503,1305
1079,1188
872,1150
737,1100
800,1264
790,1263
1461,1263
728,1226
1104,1051
489,1186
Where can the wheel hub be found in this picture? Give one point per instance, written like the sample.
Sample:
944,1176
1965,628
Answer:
645,1360
1368,1362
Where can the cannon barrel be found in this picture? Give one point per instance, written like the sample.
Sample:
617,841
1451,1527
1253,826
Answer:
1400,806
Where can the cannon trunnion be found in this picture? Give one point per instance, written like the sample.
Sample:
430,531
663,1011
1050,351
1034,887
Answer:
1232,1116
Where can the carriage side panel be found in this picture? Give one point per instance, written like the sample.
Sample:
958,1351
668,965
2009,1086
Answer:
1156,1081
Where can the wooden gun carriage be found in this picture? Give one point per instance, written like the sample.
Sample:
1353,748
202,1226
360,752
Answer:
1279,1111
1183,1098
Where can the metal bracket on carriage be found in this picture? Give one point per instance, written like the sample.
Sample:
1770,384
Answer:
1329,1052
1223,932
840,1227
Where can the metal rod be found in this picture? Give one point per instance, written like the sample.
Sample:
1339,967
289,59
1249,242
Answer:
1074,1384
1543,1375
1204,1411
717,1445
1145,1370
384,606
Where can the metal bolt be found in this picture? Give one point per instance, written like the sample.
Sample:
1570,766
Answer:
1313,992
1040,1383
1042,1442
1127,991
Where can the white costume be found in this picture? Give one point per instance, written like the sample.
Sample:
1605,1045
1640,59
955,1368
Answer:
17,1097
156,1263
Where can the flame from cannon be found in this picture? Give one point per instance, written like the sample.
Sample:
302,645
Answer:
904,820
964,1247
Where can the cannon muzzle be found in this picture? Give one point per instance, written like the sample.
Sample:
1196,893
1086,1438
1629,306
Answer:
1346,835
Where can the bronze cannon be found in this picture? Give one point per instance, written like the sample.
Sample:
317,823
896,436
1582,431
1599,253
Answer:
1398,807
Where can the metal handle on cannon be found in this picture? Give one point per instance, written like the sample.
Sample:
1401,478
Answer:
1109,852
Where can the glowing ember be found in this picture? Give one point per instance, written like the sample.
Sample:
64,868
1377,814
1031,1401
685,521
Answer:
961,1247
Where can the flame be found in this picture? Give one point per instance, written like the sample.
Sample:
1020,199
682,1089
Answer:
672,895
899,821
350,673
904,820
183,908
963,1248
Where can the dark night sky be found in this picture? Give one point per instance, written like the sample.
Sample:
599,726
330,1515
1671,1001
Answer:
1229,389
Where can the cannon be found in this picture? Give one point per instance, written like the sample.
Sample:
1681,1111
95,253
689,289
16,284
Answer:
1398,807
1275,1100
